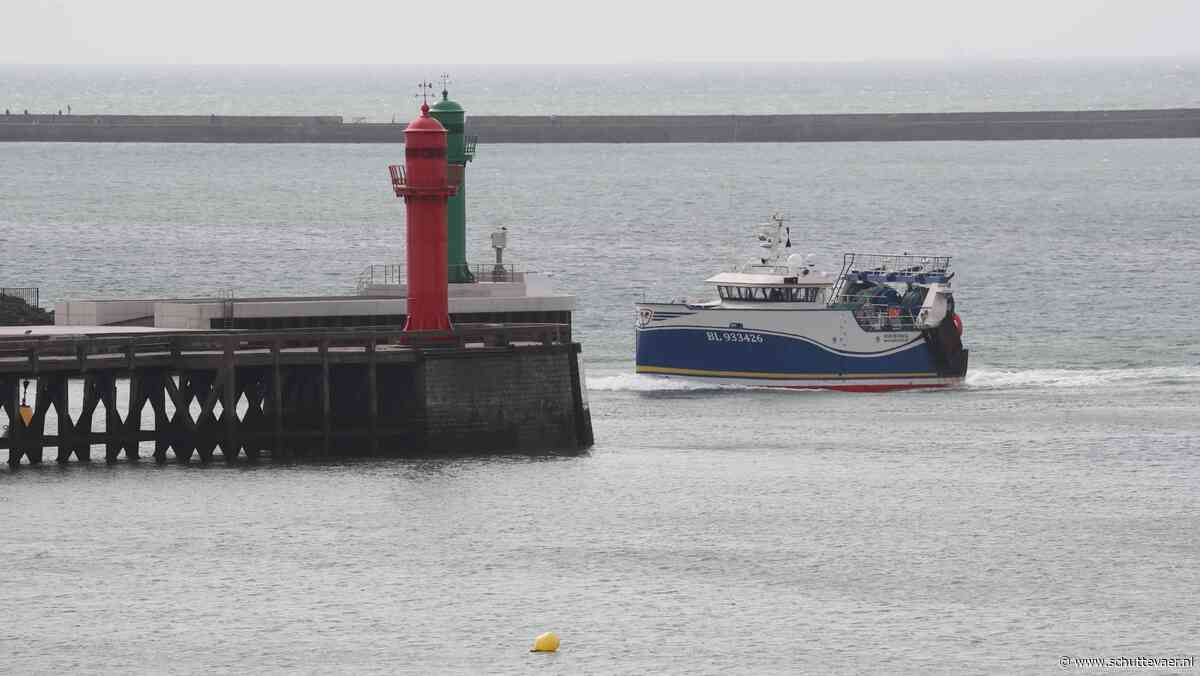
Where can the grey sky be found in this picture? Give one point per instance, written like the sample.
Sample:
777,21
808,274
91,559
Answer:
608,31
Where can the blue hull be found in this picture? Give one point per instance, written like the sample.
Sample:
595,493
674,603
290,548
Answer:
766,355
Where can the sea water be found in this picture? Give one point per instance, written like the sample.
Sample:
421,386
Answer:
382,93
1047,508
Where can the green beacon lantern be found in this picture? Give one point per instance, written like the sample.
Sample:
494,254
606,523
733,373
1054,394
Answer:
459,151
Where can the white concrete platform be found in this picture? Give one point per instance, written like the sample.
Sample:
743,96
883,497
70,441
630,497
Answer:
101,312
531,294
51,331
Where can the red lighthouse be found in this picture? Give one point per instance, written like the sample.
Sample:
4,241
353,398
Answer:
425,186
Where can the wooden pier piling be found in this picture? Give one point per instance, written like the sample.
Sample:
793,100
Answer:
301,394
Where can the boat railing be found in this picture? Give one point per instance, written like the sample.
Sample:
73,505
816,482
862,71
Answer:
889,265
766,269
879,317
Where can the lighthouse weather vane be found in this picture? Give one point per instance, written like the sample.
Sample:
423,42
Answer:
445,84
425,88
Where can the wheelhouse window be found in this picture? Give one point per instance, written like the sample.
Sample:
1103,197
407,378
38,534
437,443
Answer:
770,294
806,294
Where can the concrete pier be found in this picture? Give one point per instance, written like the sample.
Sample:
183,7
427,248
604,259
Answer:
980,126
294,394
382,300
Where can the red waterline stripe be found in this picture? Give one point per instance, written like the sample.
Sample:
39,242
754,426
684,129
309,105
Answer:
863,388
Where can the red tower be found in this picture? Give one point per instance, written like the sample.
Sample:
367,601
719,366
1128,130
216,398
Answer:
425,187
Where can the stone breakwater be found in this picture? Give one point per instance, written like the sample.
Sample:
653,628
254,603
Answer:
988,126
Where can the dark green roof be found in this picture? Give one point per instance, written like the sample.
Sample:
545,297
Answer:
446,105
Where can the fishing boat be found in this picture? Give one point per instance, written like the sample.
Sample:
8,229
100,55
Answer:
884,322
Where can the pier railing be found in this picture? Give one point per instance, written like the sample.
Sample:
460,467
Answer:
394,274
380,275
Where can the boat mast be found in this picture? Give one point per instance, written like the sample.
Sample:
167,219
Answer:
771,242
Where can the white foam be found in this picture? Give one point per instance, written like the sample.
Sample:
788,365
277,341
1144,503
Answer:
636,382
978,379
985,378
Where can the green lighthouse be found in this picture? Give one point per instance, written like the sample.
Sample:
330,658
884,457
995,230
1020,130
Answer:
459,151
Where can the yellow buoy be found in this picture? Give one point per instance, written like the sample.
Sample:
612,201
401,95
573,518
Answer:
26,413
546,643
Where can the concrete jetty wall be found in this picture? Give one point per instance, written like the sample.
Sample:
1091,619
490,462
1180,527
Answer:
193,129
531,398
989,126
1180,123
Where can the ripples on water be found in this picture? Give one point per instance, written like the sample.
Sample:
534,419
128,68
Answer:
1046,508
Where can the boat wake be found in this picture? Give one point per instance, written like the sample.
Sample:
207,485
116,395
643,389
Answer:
977,379
636,382
986,378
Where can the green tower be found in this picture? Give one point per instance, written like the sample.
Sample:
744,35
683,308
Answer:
459,151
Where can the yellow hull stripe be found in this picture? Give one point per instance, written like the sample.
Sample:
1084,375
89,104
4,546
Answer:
667,370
